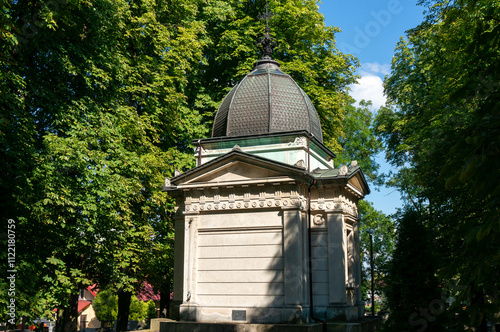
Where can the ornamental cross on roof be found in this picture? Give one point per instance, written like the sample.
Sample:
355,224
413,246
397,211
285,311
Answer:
266,43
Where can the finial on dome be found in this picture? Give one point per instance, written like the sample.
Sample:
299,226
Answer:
266,43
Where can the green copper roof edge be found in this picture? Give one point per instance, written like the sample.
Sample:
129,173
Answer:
297,169
277,134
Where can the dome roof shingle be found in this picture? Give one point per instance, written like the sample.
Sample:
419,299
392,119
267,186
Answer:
266,101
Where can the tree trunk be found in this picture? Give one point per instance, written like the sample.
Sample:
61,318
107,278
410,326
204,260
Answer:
478,299
165,299
169,291
67,317
164,303
124,299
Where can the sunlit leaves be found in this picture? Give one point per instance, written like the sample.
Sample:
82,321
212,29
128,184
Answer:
96,119
359,141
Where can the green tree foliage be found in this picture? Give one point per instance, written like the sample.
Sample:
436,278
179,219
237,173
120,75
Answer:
383,237
158,264
106,305
138,309
443,134
151,312
95,119
359,141
412,288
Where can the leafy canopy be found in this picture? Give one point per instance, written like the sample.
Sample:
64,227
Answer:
443,133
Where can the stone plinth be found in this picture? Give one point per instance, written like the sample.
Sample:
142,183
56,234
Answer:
360,326
175,326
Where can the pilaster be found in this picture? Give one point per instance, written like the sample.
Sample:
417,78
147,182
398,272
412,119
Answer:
357,271
178,287
357,263
187,310
292,253
336,259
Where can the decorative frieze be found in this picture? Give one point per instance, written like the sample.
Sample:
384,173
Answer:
252,204
256,197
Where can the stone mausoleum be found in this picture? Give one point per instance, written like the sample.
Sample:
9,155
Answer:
266,227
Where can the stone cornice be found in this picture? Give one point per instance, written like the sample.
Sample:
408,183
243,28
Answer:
235,184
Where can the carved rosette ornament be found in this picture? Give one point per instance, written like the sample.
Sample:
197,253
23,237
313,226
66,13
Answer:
319,220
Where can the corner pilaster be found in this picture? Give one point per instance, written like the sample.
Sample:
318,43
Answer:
187,310
292,254
178,287
357,271
336,259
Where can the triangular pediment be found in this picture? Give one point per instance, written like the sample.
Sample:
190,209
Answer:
235,172
237,168
358,184
355,182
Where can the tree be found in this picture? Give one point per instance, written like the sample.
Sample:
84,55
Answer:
359,141
138,309
158,267
105,305
442,133
383,237
89,139
151,312
412,287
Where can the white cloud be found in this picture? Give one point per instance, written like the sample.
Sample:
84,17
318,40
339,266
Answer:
375,68
370,85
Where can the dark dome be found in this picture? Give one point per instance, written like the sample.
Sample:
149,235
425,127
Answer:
266,101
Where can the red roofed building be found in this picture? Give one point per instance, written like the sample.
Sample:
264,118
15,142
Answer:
147,293
87,320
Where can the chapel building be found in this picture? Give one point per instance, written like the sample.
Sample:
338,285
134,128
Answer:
266,228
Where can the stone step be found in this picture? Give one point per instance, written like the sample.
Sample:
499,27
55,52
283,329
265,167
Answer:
178,326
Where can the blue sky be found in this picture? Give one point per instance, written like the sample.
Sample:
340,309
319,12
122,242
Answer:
370,31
